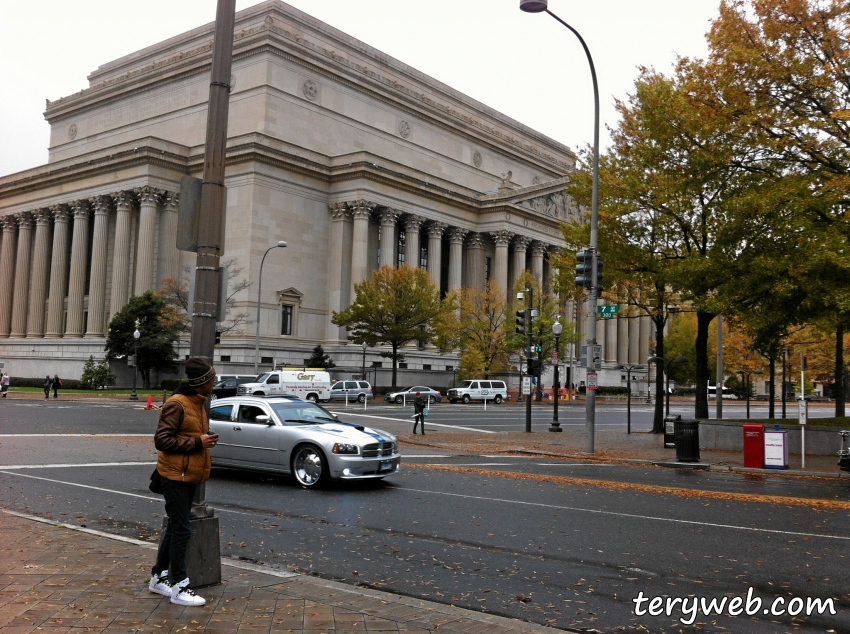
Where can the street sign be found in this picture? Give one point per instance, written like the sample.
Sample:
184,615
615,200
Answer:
804,412
526,385
538,348
609,311
554,356
596,357
591,381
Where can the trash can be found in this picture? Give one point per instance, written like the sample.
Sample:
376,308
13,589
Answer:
687,440
754,446
669,431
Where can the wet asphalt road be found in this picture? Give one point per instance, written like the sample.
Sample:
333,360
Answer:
561,553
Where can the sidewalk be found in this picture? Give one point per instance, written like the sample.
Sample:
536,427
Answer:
55,579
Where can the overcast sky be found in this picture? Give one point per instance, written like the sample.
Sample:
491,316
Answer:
527,66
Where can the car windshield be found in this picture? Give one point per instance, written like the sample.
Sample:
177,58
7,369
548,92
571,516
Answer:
466,384
302,413
262,378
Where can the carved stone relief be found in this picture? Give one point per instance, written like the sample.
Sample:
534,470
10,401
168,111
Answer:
404,129
310,89
476,158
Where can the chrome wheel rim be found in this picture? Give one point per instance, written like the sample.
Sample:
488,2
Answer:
307,466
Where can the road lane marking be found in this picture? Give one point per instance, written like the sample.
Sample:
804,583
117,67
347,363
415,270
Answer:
626,515
407,421
90,464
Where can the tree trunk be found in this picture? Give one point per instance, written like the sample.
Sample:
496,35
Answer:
838,388
658,420
701,402
771,398
395,364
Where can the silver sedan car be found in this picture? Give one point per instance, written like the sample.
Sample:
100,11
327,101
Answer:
290,436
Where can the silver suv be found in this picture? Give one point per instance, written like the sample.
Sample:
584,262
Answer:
352,390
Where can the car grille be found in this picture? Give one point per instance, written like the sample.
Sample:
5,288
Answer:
240,390
378,449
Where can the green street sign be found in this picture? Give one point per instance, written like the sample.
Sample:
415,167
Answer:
538,348
609,311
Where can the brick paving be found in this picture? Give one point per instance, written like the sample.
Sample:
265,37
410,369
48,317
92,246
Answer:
57,579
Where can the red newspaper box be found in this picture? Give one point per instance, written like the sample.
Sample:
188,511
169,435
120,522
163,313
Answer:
754,446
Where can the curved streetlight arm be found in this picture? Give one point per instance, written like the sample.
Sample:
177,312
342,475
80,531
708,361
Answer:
279,245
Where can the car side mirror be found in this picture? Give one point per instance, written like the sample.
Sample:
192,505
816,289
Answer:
262,418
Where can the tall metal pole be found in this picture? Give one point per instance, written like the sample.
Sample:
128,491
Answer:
211,226
538,6
530,368
719,379
629,401
556,425
280,244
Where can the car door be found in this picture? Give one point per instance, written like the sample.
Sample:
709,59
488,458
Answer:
221,423
338,391
485,391
256,442
273,385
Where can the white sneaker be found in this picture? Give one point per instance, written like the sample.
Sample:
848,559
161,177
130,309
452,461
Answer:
182,595
159,584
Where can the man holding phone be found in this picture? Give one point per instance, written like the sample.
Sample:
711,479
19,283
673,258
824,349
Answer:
183,443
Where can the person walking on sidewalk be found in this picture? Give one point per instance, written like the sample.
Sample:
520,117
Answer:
419,405
57,383
183,443
4,384
47,383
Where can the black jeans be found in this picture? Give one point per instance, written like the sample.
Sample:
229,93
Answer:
172,548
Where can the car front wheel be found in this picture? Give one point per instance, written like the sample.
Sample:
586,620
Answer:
309,466
361,398
312,398
497,399
432,399
466,399
399,400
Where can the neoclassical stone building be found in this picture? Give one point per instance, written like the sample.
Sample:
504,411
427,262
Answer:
352,157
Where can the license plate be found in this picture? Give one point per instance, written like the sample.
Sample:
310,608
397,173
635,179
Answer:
386,465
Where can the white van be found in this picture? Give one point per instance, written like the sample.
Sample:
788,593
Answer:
726,392
309,384
479,390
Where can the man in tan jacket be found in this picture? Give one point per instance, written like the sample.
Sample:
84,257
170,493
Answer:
183,444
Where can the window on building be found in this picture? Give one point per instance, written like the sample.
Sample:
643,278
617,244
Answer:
225,358
402,366
487,262
450,368
426,367
285,319
377,364
264,359
423,257
402,241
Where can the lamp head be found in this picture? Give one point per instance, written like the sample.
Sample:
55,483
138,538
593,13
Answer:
654,359
757,372
281,243
520,295
533,6
364,346
557,328
680,360
136,334
738,372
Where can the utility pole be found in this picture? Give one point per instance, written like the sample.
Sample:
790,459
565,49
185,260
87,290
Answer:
529,320
718,397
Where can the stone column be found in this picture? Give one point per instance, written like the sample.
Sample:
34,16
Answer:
7,277
40,271
412,225
361,211
121,254
475,259
388,218
22,276
646,333
338,215
169,255
97,285
58,273
456,236
500,265
538,250
435,250
623,335
520,250
145,262
79,265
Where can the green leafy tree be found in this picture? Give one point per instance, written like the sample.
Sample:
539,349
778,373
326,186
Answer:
158,334
96,375
395,307
320,360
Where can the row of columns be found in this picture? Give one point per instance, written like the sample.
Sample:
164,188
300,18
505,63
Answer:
43,270
361,212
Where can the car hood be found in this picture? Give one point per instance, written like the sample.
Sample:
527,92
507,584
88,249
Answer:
352,432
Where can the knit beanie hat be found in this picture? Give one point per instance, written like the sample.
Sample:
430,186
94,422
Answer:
199,372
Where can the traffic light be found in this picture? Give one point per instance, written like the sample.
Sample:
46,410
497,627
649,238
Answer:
217,337
535,367
520,322
584,268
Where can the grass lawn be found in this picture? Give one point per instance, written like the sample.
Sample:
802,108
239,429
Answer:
39,390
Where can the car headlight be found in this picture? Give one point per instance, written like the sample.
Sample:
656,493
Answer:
343,448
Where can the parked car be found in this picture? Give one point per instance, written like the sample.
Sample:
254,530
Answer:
352,390
409,395
287,435
479,390
228,387
310,385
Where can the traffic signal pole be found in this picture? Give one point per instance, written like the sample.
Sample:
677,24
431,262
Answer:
529,324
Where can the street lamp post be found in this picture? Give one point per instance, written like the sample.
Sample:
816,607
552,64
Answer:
746,376
136,335
666,377
363,365
629,369
539,6
557,329
280,245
